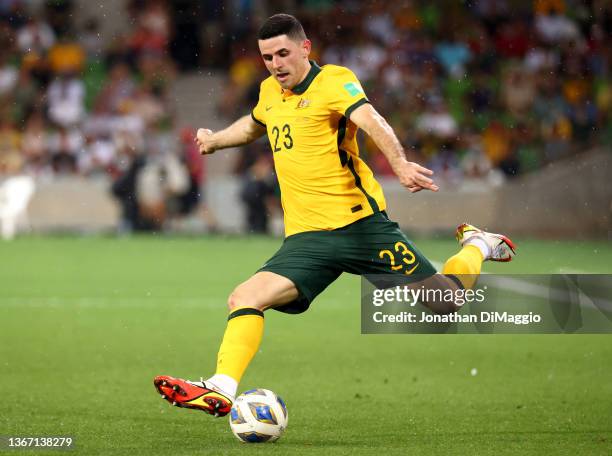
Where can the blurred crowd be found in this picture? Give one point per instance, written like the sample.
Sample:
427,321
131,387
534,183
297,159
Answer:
485,89
475,89
71,105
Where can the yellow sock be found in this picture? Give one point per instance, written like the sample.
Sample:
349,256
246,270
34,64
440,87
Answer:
240,342
465,265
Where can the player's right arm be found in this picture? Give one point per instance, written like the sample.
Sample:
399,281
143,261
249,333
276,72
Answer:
243,131
348,98
411,175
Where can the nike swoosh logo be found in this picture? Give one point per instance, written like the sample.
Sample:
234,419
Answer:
268,108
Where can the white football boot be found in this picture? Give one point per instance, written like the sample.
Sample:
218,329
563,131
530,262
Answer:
500,247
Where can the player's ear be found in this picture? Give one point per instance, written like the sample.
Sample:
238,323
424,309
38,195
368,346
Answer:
306,47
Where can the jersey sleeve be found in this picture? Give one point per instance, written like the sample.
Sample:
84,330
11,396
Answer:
258,112
346,93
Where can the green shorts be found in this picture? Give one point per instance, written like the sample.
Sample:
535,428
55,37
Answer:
372,245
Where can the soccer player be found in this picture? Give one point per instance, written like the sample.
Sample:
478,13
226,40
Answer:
335,219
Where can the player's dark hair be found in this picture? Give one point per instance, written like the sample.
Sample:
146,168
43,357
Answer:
282,24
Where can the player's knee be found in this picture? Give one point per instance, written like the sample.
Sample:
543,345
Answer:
439,285
234,301
237,300
454,307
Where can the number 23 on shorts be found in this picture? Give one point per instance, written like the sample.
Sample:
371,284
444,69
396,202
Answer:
402,255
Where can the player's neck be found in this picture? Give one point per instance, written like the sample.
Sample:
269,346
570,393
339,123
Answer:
304,74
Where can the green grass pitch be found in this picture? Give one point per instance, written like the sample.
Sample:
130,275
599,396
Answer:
86,323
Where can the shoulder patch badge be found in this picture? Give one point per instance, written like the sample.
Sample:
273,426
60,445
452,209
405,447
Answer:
353,89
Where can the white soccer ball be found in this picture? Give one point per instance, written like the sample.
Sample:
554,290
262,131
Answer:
258,415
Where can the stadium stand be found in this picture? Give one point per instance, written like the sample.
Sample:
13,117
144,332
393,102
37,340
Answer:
481,91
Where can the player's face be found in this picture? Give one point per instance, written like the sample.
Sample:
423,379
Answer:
285,59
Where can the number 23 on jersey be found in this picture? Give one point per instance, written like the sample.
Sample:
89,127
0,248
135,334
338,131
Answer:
281,138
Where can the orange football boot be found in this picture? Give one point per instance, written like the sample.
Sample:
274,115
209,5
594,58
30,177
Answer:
193,395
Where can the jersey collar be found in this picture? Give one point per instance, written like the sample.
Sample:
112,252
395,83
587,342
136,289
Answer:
303,86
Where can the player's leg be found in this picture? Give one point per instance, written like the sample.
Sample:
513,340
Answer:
462,269
241,340
477,246
376,245
245,324
302,268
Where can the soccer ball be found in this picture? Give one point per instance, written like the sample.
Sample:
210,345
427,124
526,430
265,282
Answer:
258,415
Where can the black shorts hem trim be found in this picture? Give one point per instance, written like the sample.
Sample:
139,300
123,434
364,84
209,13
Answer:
299,305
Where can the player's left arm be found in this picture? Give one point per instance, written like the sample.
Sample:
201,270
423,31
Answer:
411,175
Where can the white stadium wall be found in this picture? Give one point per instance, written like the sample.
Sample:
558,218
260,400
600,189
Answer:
572,198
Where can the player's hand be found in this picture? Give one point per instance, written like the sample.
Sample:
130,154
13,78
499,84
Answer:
204,141
415,177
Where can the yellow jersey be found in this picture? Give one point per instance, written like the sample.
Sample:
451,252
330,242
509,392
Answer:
324,184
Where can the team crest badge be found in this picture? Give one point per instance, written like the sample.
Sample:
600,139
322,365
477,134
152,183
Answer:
303,103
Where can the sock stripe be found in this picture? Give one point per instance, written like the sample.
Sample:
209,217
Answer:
455,279
245,311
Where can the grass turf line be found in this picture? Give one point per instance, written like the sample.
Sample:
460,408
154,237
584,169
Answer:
87,323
